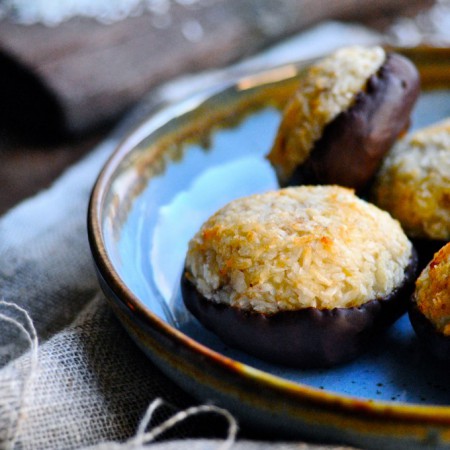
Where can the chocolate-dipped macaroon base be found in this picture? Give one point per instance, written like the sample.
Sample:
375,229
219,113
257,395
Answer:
429,311
354,143
426,249
437,343
305,338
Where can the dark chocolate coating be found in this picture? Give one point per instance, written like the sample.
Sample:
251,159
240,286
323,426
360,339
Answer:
305,338
437,343
426,248
354,143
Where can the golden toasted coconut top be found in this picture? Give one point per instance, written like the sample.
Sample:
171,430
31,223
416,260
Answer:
433,291
413,183
309,246
327,89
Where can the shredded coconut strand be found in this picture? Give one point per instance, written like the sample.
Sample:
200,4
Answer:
413,183
298,247
327,89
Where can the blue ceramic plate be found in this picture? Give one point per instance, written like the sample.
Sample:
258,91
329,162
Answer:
181,165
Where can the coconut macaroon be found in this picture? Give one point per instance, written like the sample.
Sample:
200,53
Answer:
348,110
413,183
292,274
430,308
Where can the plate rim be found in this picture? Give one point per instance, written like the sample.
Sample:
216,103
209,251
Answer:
406,412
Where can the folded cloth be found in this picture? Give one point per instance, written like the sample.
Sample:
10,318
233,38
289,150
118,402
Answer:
70,377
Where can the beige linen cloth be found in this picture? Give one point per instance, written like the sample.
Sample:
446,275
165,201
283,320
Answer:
70,377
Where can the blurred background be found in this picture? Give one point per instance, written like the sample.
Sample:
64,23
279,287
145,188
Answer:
70,69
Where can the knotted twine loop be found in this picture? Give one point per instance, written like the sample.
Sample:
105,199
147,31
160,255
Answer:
28,330
142,437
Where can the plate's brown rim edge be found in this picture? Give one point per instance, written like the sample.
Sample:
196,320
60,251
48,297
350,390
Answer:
415,412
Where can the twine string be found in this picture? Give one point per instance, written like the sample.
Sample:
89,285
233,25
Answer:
30,334
143,437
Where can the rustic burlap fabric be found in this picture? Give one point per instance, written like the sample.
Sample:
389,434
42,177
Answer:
70,377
